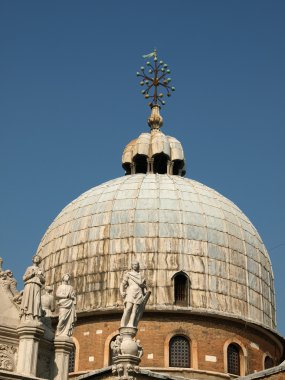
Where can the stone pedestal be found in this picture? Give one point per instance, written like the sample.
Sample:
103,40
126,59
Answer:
63,346
29,336
128,345
126,367
126,363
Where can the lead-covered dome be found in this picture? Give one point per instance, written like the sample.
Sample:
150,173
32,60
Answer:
170,224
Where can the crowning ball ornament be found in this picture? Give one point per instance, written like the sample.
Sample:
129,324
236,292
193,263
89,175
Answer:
155,80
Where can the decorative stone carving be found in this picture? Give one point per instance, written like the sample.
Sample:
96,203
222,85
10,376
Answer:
48,307
116,346
30,309
128,345
125,370
66,297
140,349
8,283
48,302
7,355
135,296
12,282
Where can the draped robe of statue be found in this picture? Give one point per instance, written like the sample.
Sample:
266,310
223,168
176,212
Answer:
133,290
67,315
135,285
30,308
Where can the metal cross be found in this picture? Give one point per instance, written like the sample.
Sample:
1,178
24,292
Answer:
155,78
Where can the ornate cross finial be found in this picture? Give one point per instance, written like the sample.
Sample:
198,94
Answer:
155,78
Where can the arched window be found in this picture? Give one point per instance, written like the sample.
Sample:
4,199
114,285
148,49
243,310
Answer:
268,362
71,363
234,359
179,352
160,163
140,163
181,289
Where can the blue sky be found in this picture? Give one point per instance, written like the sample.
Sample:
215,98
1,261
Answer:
70,101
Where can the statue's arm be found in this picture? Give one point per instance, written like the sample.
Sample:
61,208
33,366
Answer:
73,296
144,287
41,276
30,273
124,285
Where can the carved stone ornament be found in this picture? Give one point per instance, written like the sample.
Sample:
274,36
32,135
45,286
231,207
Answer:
116,346
9,284
7,355
125,371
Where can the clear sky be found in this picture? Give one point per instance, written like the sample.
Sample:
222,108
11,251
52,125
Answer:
70,101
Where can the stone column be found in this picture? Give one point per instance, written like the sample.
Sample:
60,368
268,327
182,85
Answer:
126,364
133,168
150,165
170,167
29,336
63,346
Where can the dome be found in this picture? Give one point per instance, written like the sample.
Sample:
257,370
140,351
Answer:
171,225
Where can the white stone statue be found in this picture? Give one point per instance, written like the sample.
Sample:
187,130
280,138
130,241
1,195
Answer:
66,297
30,309
116,346
12,283
140,349
133,289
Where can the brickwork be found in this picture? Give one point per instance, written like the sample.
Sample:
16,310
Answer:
209,338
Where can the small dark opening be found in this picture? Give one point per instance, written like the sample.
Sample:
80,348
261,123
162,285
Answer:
160,163
234,359
141,163
177,167
181,289
268,362
127,168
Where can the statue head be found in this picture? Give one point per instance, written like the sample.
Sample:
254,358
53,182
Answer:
66,278
9,273
37,259
135,265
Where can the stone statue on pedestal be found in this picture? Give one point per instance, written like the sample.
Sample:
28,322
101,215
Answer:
127,352
30,309
66,297
133,289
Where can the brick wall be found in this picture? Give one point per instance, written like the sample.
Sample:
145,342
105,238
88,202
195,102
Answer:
209,338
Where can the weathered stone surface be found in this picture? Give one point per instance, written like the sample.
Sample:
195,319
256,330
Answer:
169,224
